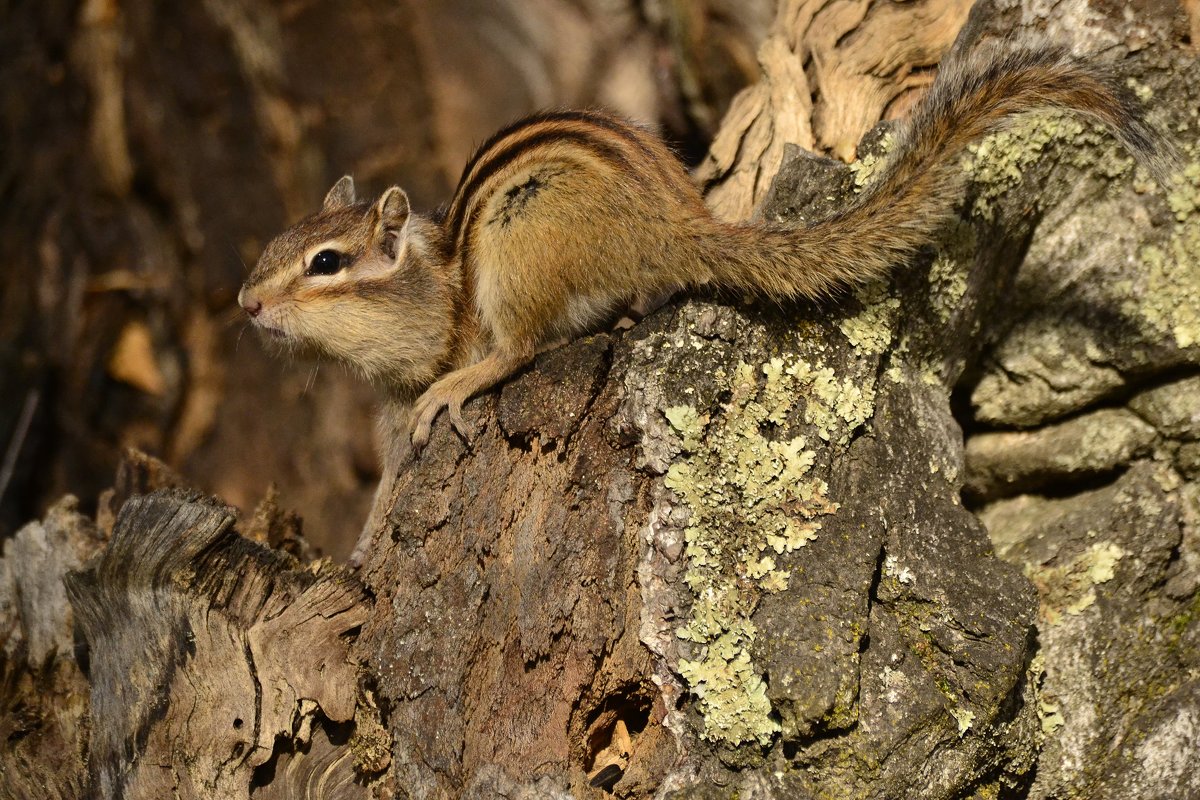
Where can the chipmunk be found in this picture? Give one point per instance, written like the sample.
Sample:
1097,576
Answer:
565,217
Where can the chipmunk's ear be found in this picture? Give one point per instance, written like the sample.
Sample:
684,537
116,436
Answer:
391,220
342,194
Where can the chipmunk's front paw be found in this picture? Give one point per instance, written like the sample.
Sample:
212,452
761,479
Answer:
427,408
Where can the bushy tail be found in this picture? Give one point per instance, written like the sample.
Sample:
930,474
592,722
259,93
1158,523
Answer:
905,206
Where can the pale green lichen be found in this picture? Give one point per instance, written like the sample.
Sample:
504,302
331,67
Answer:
999,163
1143,92
687,423
1081,604
751,500
1102,564
949,270
870,330
903,367
892,569
730,690
964,718
1071,588
1169,301
865,168
898,359
1050,715
1172,300
836,407
1184,196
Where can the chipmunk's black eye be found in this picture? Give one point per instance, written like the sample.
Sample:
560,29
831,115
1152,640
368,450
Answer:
325,262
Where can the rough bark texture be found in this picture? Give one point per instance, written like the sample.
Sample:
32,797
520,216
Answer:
939,539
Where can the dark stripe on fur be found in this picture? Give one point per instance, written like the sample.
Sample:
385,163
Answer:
464,197
526,122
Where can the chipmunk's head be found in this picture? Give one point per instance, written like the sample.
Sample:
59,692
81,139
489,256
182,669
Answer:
358,282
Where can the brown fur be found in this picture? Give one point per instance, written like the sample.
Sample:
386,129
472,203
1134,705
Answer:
563,218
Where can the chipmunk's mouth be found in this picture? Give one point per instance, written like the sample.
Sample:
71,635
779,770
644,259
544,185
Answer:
271,331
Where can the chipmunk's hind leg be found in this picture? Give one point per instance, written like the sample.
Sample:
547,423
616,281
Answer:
454,389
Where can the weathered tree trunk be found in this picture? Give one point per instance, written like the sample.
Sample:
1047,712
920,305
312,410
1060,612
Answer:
935,540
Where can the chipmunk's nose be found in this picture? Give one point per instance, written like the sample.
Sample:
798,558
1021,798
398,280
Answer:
250,302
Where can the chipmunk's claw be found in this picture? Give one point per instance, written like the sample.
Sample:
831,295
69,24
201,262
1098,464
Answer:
452,390
420,438
426,410
454,411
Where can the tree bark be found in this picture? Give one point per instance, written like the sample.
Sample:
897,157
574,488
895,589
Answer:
937,539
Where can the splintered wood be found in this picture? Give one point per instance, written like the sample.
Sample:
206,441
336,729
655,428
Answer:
216,665
831,70
43,690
